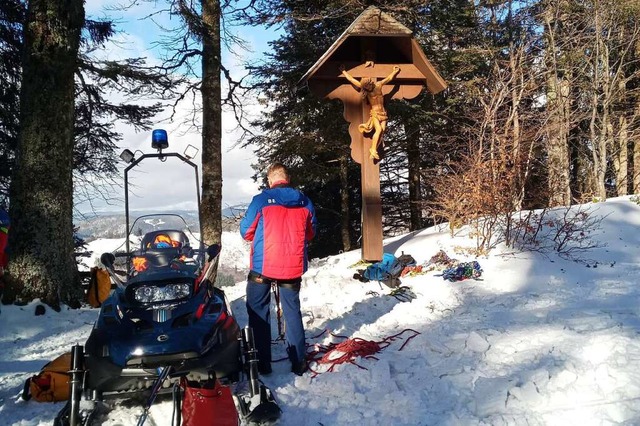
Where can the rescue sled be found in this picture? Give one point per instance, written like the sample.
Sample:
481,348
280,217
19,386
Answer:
165,325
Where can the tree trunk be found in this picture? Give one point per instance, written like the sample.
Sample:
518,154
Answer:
598,125
520,156
635,155
211,206
621,157
41,238
345,218
413,170
599,152
557,142
558,117
636,166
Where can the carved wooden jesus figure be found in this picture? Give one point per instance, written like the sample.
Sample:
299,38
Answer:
372,92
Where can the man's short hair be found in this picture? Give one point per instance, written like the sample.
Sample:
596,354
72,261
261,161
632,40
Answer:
279,170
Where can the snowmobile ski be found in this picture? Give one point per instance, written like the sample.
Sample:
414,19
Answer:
258,406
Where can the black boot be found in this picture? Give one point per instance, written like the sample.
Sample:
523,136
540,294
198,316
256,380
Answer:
300,368
264,369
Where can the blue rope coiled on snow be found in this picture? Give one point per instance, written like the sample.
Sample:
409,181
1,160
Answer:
462,271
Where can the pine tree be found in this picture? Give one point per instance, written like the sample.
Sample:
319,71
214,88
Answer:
211,206
41,238
11,18
94,138
96,110
301,129
308,134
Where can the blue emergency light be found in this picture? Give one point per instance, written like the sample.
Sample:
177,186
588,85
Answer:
159,139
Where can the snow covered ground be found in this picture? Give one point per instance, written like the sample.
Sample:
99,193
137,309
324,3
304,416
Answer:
537,340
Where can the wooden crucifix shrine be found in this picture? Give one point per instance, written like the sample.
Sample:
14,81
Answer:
376,59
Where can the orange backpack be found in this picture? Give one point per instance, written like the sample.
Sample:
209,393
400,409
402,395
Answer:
99,287
52,383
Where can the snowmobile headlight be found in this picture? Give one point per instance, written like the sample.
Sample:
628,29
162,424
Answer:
169,292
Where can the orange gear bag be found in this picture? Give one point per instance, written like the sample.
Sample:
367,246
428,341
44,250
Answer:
52,383
99,287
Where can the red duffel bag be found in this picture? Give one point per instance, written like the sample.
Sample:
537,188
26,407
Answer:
207,404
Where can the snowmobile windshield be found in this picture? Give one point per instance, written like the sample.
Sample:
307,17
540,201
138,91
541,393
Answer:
164,230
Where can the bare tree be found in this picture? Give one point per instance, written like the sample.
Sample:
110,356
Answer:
211,205
195,50
590,62
614,65
558,74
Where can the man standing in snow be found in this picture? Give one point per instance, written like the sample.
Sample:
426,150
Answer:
279,222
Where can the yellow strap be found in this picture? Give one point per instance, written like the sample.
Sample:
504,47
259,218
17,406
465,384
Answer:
3,229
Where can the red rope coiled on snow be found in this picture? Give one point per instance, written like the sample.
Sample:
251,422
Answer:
351,348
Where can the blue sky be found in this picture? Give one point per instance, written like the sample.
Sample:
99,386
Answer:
154,182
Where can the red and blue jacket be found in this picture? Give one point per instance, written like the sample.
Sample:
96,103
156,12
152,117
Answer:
4,237
279,222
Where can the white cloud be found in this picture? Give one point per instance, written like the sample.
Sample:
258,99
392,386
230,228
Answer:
155,184
159,185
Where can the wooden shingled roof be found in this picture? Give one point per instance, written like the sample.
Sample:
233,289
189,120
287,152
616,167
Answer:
373,22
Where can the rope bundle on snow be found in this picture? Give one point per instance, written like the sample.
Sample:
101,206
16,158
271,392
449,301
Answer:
441,258
439,262
411,271
462,271
348,350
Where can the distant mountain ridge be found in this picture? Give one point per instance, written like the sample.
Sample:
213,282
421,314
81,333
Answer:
112,225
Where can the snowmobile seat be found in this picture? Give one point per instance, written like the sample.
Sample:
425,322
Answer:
160,248
166,238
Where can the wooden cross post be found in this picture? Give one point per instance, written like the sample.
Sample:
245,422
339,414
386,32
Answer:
384,52
356,112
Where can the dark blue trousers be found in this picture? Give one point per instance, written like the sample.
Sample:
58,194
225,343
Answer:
258,299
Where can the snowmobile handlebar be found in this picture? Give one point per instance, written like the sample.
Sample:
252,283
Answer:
108,259
212,252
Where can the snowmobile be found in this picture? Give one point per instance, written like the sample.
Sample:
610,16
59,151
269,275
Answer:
164,323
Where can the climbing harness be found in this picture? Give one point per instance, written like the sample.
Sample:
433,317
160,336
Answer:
403,294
